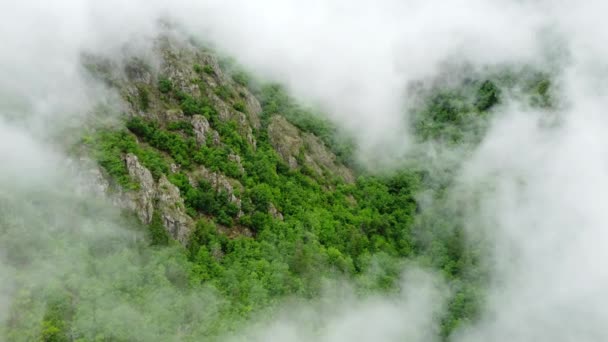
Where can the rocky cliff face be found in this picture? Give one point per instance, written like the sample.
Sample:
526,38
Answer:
190,98
304,149
151,196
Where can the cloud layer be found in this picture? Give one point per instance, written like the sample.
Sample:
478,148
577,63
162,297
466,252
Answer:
544,209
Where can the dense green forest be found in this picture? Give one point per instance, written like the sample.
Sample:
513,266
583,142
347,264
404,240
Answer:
292,228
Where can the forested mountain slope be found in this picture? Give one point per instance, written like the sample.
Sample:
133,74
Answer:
251,199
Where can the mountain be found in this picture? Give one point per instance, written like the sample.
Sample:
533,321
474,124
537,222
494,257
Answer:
238,199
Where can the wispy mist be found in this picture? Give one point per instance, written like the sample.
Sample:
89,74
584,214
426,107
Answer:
541,208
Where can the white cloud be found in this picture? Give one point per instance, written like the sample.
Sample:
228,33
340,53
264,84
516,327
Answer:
546,211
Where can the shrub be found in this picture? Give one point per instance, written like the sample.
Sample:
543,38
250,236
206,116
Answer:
165,85
241,78
208,69
144,97
240,106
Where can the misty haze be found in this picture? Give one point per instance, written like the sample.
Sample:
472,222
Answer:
322,170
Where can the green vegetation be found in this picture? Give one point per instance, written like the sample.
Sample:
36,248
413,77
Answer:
323,233
457,115
165,85
109,148
273,233
241,78
143,97
208,69
275,100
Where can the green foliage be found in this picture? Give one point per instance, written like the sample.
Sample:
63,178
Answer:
158,233
282,231
241,78
208,69
165,85
275,100
192,106
240,106
488,95
541,93
109,149
143,96
57,317
224,92
179,148
183,126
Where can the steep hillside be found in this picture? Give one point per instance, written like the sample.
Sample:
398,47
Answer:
247,194
194,128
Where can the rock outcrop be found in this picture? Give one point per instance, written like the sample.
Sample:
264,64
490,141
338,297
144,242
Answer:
162,196
189,73
299,149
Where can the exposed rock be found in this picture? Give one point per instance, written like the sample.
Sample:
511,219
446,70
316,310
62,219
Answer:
234,232
173,115
237,159
295,147
138,70
254,108
285,138
322,156
178,61
164,194
144,198
201,128
216,138
272,210
224,111
251,140
173,210
219,182
246,130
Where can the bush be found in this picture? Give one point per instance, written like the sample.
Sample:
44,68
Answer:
144,97
165,85
241,78
208,69
158,233
240,106
487,96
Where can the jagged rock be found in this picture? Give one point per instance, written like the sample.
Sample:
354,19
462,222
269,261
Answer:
251,140
173,210
201,128
173,115
291,145
165,195
138,70
254,108
178,59
237,159
272,210
219,182
320,155
285,138
144,198
224,111
216,138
